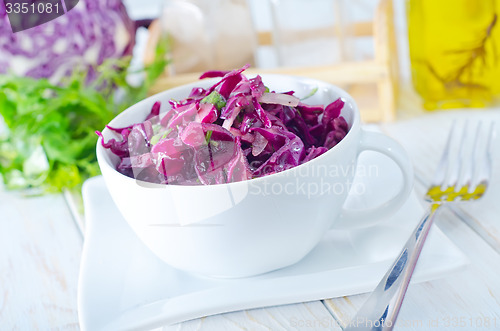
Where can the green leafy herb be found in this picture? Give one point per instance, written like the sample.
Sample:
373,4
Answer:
159,136
208,136
216,99
313,92
49,137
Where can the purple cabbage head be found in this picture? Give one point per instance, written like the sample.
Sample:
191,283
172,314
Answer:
89,33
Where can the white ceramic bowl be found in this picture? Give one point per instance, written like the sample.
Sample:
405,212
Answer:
251,227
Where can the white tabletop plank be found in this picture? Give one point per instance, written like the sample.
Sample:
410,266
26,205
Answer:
39,261
303,316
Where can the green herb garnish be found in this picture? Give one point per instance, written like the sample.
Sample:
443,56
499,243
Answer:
208,135
49,139
159,136
216,99
313,92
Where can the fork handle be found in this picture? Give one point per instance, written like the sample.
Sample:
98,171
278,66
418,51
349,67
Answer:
381,309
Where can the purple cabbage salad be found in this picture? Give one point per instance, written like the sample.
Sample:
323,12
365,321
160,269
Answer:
234,130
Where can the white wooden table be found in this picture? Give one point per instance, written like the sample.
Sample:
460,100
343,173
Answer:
40,248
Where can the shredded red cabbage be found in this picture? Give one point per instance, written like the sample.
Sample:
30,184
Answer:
235,130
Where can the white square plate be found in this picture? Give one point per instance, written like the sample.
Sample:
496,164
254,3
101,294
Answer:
123,285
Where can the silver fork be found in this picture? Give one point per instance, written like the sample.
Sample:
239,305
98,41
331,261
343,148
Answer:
458,178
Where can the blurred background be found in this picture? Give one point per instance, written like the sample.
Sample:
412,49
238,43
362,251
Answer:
269,16
64,79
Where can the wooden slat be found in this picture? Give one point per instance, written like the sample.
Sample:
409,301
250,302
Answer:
386,56
357,29
265,38
345,73
358,78
361,29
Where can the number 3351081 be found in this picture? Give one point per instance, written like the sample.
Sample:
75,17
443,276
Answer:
31,8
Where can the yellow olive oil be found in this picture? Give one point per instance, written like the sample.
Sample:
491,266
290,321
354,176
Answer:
454,51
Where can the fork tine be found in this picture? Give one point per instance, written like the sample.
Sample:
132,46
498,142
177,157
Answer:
487,156
457,169
462,176
440,173
480,183
476,155
442,170
463,187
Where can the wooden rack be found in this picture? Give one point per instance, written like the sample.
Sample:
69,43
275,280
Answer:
372,83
